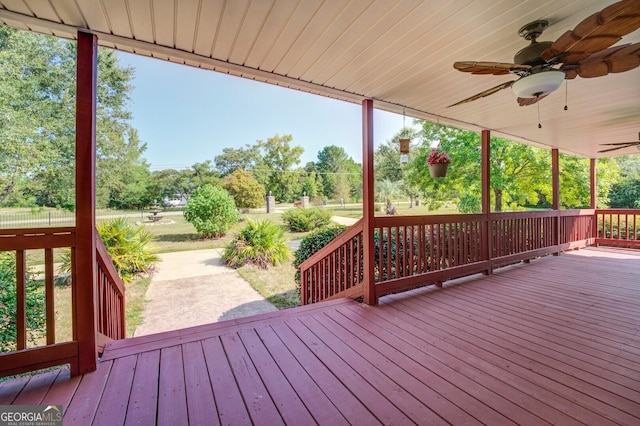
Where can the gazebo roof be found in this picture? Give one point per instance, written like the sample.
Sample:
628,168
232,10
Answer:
398,53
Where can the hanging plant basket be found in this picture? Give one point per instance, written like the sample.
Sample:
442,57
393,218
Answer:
438,163
438,170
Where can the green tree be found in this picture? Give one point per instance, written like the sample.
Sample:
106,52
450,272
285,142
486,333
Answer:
133,188
310,185
203,174
341,176
232,159
629,166
387,191
170,183
245,189
37,122
516,169
280,158
387,164
211,211
625,194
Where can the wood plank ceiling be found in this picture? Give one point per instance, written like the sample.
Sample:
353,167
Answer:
398,53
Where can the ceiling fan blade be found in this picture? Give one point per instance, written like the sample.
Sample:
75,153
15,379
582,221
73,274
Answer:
484,94
620,147
493,68
622,143
530,101
597,32
612,60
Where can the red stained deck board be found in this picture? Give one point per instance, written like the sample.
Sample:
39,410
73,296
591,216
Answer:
348,374
9,390
411,396
63,389
201,403
230,405
143,401
261,407
439,394
568,317
568,388
289,404
36,389
478,387
576,330
84,404
113,404
592,361
318,404
539,330
338,392
172,401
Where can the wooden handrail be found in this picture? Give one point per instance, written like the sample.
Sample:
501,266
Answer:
347,235
105,262
335,270
618,227
419,250
111,299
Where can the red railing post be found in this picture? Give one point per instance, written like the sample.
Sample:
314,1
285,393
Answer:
555,189
85,285
487,232
370,297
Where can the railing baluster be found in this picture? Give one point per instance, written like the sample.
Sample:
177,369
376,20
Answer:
21,300
49,296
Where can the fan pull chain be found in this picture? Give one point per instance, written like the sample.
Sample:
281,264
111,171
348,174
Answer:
538,103
566,94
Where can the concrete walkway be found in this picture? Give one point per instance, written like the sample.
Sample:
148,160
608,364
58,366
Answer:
192,288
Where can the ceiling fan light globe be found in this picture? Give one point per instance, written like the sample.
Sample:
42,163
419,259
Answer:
538,84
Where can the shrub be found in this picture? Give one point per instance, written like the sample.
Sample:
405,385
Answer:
314,242
129,246
35,300
303,220
246,191
211,211
261,243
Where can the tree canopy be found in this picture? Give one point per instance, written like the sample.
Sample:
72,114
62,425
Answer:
37,125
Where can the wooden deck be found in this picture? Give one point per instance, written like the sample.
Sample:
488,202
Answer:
555,341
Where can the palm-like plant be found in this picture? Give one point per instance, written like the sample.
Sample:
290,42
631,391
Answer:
129,246
261,243
387,191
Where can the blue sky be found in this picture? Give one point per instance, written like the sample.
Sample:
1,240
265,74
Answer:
188,115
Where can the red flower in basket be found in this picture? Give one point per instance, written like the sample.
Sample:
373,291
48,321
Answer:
438,162
438,156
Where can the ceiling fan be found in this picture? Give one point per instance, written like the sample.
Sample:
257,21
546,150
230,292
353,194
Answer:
621,145
584,51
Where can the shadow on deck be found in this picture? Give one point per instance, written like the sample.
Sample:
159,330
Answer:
557,341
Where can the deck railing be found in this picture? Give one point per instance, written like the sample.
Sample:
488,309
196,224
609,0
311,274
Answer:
412,251
336,270
618,227
25,358
111,303
51,351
